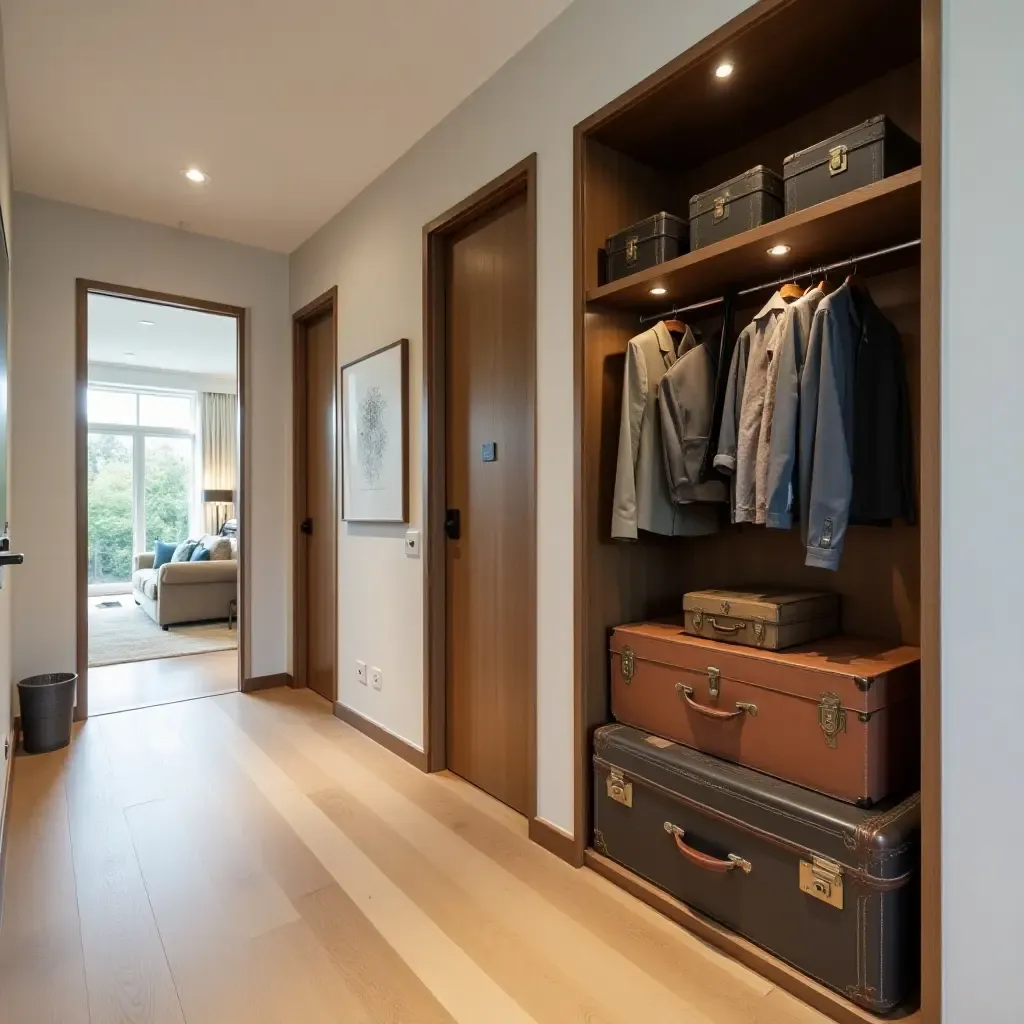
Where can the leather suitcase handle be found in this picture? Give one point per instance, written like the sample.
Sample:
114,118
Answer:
731,630
686,692
704,860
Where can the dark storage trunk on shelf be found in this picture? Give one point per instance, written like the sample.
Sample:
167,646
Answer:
831,889
645,244
840,716
747,201
860,156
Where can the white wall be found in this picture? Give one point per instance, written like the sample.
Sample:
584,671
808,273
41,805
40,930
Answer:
373,251
982,501
60,243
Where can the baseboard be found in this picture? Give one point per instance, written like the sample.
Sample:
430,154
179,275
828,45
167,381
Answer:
5,810
555,841
256,683
406,751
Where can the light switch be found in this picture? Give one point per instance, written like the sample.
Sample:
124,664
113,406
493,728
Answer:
361,672
377,678
412,543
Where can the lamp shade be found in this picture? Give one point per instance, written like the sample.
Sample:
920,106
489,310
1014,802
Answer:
224,497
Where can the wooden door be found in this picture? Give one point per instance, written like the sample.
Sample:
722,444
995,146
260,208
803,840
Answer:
490,366
316,420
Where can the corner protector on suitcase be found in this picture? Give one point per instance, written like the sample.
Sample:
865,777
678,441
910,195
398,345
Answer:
599,844
863,683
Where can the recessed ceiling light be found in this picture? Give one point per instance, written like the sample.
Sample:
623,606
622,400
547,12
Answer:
658,291
196,176
725,69
780,250
146,323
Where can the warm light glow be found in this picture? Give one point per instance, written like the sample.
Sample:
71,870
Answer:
725,69
195,175
658,291
780,250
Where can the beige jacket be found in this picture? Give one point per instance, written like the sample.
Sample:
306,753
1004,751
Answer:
641,500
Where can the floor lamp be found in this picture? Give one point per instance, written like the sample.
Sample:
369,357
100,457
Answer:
218,498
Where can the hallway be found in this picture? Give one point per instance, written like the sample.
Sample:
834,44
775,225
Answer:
250,858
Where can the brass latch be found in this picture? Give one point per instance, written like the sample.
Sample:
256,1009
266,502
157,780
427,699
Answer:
627,663
618,788
632,248
822,879
838,160
721,209
759,632
831,717
714,682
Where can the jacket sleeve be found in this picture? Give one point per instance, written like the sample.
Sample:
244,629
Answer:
725,459
779,489
634,403
831,484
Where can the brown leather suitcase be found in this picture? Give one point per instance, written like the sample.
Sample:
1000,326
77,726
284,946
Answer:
829,888
840,715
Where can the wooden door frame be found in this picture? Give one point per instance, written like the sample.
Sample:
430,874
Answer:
518,180
929,505
327,302
83,289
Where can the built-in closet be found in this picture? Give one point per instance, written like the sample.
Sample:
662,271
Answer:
803,71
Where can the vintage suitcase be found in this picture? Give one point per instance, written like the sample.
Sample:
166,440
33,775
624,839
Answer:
770,618
870,152
744,202
840,716
829,888
645,244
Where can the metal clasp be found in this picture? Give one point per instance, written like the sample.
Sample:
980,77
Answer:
838,160
627,664
822,879
618,788
632,248
698,619
831,717
721,208
759,632
714,682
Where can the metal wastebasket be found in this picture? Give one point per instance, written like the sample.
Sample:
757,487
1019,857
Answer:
47,707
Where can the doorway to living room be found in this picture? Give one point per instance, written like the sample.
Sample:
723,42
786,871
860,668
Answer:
159,499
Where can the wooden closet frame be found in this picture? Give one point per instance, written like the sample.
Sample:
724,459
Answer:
929,523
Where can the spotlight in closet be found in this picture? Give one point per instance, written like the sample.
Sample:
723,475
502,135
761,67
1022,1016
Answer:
659,291
780,250
725,69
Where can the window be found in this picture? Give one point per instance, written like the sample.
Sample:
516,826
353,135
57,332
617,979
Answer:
141,476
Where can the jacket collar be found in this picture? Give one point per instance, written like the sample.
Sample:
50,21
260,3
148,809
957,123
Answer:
669,349
775,304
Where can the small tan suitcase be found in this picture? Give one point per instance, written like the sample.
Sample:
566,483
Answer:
772,619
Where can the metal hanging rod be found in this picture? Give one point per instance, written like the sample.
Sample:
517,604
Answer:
812,272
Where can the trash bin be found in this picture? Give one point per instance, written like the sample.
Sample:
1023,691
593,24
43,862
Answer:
47,707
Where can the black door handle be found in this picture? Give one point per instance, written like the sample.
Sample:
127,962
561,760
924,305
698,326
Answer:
453,524
307,526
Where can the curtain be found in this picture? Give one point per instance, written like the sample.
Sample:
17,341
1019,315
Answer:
219,428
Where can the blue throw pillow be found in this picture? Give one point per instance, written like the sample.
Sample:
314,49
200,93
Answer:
162,553
200,554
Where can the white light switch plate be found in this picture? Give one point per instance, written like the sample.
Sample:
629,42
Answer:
361,672
377,678
412,543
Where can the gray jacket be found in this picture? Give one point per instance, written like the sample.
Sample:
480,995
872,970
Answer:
642,500
686,403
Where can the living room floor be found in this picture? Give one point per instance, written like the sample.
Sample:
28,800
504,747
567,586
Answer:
143,684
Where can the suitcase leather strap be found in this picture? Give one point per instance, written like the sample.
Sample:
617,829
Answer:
742,708
703,860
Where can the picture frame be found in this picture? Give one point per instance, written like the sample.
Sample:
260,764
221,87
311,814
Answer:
374,395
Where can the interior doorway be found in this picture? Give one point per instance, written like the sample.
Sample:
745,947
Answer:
481,601
315,433
160,486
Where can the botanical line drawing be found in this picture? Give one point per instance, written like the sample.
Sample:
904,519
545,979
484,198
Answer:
373,434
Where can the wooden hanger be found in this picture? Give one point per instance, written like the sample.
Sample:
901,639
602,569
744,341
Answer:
791,291
675,326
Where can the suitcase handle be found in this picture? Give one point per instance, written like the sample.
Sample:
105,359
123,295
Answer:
731,630
703,860
686,692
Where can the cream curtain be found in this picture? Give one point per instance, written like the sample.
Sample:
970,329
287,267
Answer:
219,429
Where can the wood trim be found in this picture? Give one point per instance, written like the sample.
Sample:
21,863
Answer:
5,822
822,999
930,511
554,840
83,289
522,178
256,683
300,320
404,344
388,740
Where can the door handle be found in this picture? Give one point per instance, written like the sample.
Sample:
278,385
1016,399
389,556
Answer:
307,526
453,524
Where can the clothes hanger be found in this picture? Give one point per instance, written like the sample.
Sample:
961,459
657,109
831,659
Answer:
791,290
675,326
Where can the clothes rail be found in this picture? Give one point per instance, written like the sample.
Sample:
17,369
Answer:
853,261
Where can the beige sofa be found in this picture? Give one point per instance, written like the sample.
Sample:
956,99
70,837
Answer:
184,591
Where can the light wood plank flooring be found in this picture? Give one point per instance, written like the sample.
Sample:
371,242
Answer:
143,684
252,859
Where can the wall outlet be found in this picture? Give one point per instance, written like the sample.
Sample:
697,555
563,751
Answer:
412,543
361,672
377,678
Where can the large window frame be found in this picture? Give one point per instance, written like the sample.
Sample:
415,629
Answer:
139,434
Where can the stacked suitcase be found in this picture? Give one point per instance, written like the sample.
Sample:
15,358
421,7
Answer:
772,789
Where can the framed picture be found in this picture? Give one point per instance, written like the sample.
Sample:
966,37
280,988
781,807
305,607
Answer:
375,436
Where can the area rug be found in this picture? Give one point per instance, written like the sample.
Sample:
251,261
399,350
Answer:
120,635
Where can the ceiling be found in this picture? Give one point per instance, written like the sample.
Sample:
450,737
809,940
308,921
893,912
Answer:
291,106
178,339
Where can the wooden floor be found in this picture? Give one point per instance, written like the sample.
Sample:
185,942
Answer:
252,859
142,684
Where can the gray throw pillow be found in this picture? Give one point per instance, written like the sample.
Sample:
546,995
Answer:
219,547
183,552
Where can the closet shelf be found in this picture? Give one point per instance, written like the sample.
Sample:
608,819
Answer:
878,215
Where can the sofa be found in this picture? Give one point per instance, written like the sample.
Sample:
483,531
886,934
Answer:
180,592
